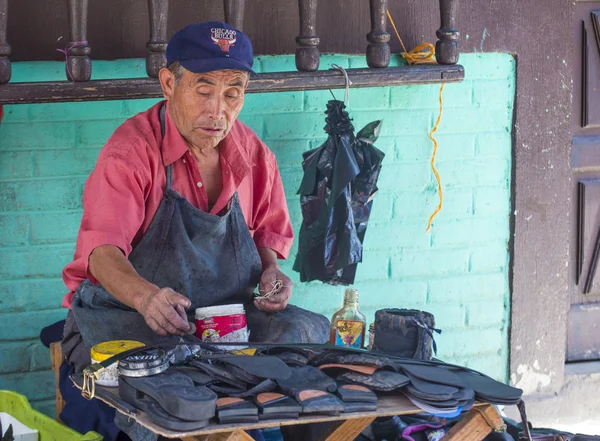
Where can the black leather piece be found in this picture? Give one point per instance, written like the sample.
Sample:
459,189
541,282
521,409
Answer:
326,403
238,409
242,375
429,388
198,377
348,394
223,389
277,416
433,374
489,389
176,394
282,405
438,401
292,358
339,357
410,389
246,419
219,373
356,406
306,377
261,366
156,413
383,381
265,386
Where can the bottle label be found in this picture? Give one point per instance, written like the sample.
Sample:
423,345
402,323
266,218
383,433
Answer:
349,333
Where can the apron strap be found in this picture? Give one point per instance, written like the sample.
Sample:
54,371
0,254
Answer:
162,133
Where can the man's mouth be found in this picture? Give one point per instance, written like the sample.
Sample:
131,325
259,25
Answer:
211,131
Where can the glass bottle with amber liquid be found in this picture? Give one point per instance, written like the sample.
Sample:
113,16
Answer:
348,325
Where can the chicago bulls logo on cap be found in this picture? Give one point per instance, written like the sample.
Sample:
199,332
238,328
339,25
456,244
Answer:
224,38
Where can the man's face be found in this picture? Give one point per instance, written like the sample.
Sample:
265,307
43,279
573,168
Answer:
204,106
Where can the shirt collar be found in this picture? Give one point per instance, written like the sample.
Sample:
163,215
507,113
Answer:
174,147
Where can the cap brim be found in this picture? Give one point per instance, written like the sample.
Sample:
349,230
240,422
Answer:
212,64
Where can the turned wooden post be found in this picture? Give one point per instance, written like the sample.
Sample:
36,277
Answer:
79,63
307,52
157,45
446,48
234,13
378,50
5,68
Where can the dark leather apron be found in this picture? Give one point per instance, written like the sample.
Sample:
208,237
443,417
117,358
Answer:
210,259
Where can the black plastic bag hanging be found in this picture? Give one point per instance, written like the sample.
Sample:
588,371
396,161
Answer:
336,196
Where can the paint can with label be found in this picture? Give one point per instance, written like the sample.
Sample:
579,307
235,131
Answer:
225,323
105,350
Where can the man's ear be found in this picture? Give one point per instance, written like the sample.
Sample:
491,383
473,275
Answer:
167,82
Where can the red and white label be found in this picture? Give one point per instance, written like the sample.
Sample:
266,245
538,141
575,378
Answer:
214,329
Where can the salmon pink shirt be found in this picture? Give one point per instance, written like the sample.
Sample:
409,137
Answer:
123,193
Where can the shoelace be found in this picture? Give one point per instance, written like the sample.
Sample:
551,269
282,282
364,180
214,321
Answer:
429,330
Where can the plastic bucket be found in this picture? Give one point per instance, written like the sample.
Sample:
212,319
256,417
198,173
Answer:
48,429
225,323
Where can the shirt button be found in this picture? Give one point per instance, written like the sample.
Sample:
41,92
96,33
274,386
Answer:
199,184
184,161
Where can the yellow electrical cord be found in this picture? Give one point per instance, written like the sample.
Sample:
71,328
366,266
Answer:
419,56
435,172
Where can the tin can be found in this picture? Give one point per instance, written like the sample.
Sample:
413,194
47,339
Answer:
225,323
105,350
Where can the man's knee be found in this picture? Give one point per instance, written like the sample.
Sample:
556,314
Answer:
292,325
311,327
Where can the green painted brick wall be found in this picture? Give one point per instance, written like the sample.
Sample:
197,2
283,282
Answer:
459,271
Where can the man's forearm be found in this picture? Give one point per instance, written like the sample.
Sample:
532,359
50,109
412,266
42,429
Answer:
268,258
117,275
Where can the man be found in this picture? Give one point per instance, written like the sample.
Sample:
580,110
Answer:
184,209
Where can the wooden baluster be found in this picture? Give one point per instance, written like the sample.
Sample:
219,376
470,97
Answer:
79,63
307,52
5,68
234,13
157,45
446,48
378,50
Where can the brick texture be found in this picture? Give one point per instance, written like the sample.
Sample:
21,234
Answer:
459,271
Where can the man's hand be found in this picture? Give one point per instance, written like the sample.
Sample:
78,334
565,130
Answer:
268,281
164,311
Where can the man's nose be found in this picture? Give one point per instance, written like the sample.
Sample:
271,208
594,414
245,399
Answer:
217,107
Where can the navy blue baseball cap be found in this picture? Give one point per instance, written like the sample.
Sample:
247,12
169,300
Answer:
211,45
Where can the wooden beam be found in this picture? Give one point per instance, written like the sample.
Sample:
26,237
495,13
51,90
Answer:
378,50
307,51
5,68
234,13
79,63
56,359
236,435
349,429
475,425
158,11
136,88
446,48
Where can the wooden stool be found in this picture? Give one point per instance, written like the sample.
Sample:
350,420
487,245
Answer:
56,359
